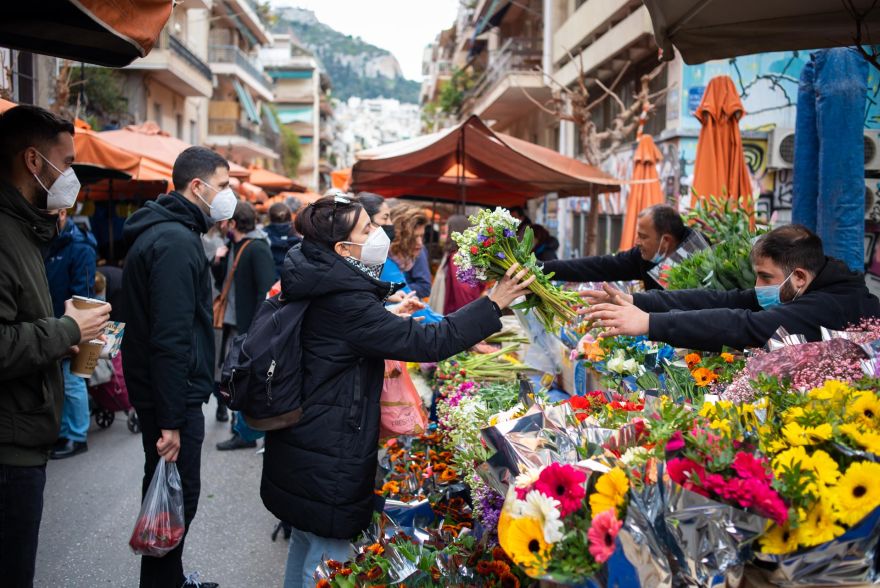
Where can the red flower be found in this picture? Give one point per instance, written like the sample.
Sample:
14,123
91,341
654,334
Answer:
565,484
474,249
675,443
688,474
749,466
490,230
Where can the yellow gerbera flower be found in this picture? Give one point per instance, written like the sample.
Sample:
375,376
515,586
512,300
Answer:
793,414
780,540
827,471
865,408
611,489
523,540
819,526
796,434
858,491
867,440
790,458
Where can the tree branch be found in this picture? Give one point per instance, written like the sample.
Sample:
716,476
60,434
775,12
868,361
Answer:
611,94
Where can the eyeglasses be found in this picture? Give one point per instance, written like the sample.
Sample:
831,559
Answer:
337,200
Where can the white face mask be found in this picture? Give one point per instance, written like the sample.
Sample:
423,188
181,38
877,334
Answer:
374,251
223,206
63,191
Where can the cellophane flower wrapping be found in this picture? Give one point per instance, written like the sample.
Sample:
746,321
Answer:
160,525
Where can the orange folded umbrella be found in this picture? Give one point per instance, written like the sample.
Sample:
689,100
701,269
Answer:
341,178
720,169
644,191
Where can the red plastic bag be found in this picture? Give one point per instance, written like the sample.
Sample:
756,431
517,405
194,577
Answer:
402,410
160,525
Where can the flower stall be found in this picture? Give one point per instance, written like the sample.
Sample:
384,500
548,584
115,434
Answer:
675,468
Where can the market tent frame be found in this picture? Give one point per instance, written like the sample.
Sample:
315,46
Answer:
472,164
112,34
703,30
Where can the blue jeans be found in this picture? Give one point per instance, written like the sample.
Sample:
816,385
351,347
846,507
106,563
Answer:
306,553
75,414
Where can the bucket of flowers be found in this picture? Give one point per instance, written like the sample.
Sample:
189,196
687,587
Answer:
490,247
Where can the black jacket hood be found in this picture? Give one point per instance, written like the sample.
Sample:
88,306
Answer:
311,270
43,225
835,276
171,207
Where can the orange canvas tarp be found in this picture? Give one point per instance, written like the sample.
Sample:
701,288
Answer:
645,189
720,169
270,180
492,168
138,21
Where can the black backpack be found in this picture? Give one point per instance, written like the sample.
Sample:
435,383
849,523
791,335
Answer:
262,376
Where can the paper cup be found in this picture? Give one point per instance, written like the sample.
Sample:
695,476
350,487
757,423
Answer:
83,365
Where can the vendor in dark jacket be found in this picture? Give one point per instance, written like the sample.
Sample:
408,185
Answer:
797,287
168,348
659,232
36,180
253,278
319,474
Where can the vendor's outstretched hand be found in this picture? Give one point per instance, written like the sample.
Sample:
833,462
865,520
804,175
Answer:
619,318
607,295
513,285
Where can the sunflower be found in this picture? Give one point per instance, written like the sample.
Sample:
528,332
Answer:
858,491
819,526
524,542
826,469
611,489
780,539
797,434
692,359
868,440
704,376
865,408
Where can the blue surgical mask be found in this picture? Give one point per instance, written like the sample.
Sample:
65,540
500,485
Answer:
658,257
768,296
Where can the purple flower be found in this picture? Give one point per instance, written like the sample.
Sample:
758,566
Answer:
468,276
509,233
490,505
481,238
500,255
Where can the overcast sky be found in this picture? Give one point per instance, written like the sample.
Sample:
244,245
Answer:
403,27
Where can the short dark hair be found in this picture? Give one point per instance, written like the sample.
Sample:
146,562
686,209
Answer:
245,217
328,222
666,220
195,162
279,213
371,202
791,247
28,126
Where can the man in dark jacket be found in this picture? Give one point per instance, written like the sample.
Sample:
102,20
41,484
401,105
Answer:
70,268
168,349
36,148
253,277
797,287
659,232
281,234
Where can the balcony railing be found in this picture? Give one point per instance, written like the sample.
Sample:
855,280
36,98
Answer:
184,52
227,126
232,54
516,55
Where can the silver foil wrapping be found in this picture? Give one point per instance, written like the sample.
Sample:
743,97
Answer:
849,560
675,537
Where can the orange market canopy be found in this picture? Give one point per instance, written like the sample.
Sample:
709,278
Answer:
149,141
95,31
471,163
702,30
270,180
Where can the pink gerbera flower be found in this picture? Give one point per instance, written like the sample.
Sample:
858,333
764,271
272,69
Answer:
603,534
748,466
565,484
687,474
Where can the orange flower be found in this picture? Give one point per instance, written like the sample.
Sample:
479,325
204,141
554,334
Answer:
391,487
374,573
323,583
508,580
334,565
483,568
376,549
448,475
703,377
345,572
439,467
728,357
692,359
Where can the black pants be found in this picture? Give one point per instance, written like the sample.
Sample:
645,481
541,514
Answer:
167,571
21,508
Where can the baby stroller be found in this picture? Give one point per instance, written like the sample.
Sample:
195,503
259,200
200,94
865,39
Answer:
109,395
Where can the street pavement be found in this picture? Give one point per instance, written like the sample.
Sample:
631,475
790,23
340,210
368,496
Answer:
92,501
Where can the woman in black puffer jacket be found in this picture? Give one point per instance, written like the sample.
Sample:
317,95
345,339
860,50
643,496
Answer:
318,475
